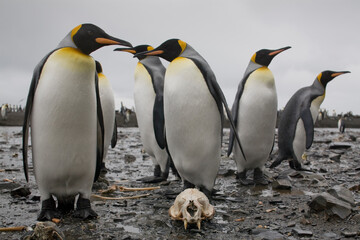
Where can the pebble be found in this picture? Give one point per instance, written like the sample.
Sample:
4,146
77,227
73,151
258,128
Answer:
302,233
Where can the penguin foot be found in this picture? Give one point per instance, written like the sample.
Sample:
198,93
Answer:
243,179
103,169
84,210
48,210
259,177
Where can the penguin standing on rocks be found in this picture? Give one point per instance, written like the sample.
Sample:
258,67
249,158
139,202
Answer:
254,114
108,108
296,125
67,129
193,112
148,95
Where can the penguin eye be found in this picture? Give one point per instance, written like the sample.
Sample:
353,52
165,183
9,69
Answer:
90,33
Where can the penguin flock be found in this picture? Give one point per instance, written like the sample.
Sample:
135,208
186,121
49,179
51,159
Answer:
180,112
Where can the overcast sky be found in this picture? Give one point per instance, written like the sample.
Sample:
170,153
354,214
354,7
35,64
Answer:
324,35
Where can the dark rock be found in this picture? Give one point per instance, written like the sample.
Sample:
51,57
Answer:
129,158
348,234
330,204
283,183
302,233
268,235
335,157
8,185
22,191
339,145
343,194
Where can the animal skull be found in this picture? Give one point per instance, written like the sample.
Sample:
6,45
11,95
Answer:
191,206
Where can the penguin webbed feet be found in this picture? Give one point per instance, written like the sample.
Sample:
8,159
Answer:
84,210
259,177
241,176
48,210
296,165
276,163
159,176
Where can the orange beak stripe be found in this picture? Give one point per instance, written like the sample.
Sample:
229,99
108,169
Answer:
154,53
106,41
276,52
336,74
129,51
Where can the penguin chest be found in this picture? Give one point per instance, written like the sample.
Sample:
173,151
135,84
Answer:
144,96
315,106
299,142
193,123
64,122
257,117
108,109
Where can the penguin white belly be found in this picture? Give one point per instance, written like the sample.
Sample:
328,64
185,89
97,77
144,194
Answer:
193,123
108,109
144,96
256,120
64,125
299,142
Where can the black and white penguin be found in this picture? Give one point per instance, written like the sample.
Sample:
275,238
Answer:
193,112
148,96
254,113
67,129
341,125
296,125
107,101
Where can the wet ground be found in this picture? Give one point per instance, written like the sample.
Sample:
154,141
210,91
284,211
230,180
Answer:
254,212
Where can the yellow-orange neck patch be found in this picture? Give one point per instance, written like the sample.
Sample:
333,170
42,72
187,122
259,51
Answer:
182,45
253,57
149,48
319,77
75,30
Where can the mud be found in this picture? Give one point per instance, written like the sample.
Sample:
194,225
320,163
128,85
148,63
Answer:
252,212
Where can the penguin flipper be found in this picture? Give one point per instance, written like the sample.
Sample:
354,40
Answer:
309,127
114,135
28,109
100,131
220,94
159,121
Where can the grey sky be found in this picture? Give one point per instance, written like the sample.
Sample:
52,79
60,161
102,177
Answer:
324,35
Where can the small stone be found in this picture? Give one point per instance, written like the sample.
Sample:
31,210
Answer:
129,158
283,183
348,234
335,157
342,193
268,235
302,233
20,192
330,204
339,145
330,235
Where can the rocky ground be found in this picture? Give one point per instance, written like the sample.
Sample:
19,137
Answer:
284,209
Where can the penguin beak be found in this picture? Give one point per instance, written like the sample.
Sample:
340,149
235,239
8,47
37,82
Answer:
276,52
339,73
129,50
149,53
112,41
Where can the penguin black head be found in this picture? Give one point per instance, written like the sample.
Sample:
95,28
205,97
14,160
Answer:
137,49
88,38
326,76
264,56
98,67
168,50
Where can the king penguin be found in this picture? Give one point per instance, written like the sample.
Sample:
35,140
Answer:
193,112
254,114
296,125
148,96
67,128
108,108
